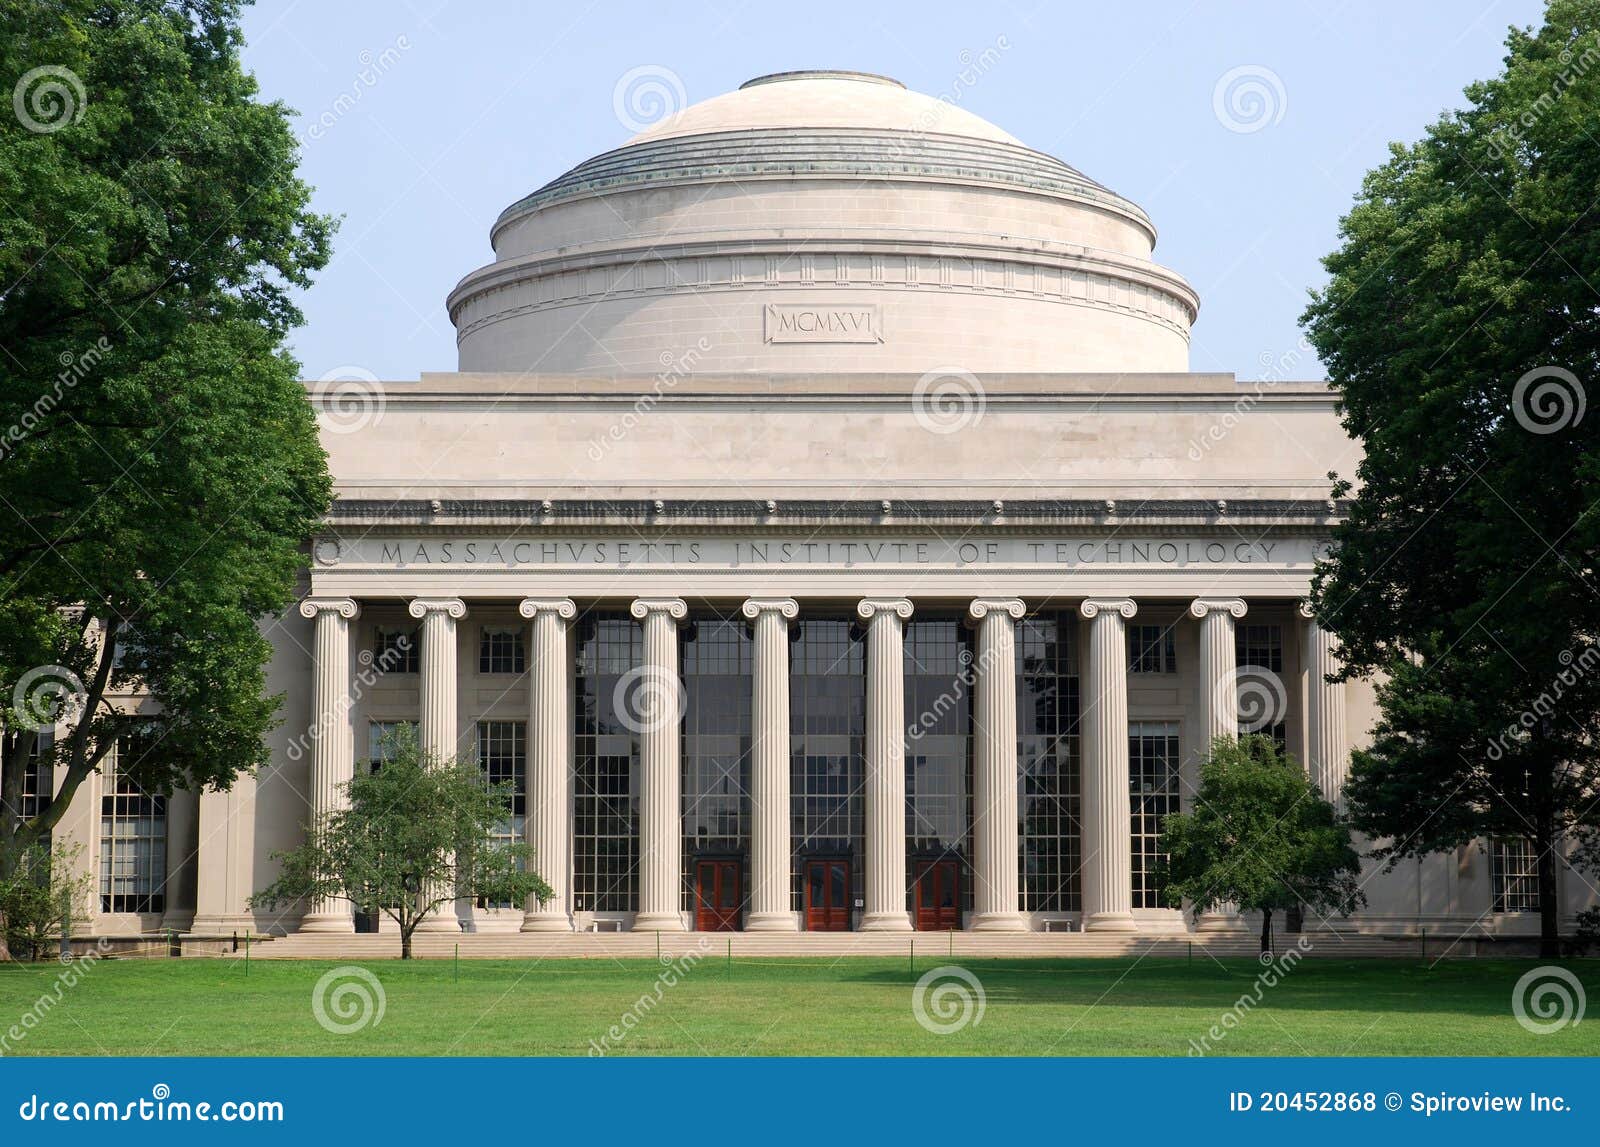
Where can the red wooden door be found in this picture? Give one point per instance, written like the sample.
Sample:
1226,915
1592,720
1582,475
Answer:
827,896
937,896
718,888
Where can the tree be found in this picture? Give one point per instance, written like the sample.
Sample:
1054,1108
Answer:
160,470
1262,836
1460,330
416,834
41,897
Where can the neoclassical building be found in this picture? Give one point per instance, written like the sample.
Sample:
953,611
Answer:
823,532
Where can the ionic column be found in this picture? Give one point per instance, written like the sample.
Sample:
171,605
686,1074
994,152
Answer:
1327,744
437,729
1219,667
549,768
660,694
886,765
1106,817
994,775
771,851
332,738
1219,710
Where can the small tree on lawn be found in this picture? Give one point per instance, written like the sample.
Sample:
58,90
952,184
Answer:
416,833
44,892
1261,835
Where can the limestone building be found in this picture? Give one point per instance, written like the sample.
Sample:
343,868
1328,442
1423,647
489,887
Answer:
824,532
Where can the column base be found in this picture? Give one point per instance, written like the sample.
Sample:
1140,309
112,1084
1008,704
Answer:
771,922
546,922
997,922
658,922
1221,922
327,922
886,922
179,922
436,922
1110,922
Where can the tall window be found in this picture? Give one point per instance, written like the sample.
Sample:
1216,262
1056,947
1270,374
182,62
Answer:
827,726
1514,871
1152,649
133,834
716,654
503,757
396,650
605,775
1263,696
381,737
939,679
1047,743
502,650
1152,797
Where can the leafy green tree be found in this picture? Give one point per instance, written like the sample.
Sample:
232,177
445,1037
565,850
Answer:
1262,836
417,833
160,470
42,895
1460,330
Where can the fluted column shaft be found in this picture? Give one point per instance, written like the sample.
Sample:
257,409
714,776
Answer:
437,729
886,765
549,765
771,849
332,738
659,712
1219,709
1106,817
1328,746
996,907
1219,667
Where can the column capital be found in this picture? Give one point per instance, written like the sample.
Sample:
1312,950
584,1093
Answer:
868,608
562,607
786,606
1201,606
1305,610
420,607
980,607
1093,606
345,607
673,607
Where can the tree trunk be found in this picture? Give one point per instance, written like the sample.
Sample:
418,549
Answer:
405,941
1549,893
1266,931
1544,849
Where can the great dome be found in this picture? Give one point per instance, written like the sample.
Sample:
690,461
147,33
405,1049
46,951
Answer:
823,222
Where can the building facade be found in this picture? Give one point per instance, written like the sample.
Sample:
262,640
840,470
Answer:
823,532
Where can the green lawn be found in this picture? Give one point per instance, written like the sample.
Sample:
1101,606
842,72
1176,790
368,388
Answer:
798,1007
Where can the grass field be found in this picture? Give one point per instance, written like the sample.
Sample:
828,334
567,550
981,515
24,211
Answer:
801,1007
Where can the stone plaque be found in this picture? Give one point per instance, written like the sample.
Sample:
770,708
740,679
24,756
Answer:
822,323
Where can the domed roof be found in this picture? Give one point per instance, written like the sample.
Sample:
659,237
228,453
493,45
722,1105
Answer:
823,222
825,99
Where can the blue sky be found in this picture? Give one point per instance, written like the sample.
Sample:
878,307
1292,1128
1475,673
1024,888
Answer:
433,116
